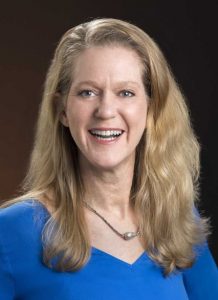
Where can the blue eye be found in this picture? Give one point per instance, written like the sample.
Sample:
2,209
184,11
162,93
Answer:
86,93
127,93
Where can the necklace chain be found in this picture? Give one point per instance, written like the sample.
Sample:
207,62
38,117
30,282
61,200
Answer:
126,236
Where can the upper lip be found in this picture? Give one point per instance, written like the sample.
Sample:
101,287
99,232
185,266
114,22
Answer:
106,128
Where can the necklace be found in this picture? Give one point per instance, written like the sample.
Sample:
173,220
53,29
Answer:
126,236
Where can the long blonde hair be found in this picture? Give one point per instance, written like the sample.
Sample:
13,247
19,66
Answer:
165,183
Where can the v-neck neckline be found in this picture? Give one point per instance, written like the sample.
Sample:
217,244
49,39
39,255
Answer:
95,250
117,259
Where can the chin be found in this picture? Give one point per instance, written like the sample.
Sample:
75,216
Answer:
105,165
110,164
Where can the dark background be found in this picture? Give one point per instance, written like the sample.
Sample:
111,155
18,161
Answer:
29,31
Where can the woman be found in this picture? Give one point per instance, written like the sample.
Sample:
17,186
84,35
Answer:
108,209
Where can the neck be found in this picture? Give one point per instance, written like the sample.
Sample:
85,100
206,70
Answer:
108,191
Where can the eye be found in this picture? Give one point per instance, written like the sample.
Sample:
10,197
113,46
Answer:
126,93
86,93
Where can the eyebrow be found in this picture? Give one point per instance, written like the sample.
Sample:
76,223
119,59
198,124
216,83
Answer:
95,83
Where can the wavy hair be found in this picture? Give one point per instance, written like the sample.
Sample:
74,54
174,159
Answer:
165,185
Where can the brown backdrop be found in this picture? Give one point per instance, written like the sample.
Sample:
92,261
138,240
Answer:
30,30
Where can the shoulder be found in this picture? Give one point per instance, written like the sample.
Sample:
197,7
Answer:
21,227
201,280
21,209
21,218
17,209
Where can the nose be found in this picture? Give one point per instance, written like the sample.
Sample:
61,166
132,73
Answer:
106,108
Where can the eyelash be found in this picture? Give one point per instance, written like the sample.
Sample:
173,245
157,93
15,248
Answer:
81,93
129,92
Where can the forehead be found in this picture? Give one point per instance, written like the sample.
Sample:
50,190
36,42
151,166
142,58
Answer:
108,61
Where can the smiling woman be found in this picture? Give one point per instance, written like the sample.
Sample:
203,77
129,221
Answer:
112,107
109,203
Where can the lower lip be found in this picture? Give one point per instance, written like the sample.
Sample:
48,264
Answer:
104,141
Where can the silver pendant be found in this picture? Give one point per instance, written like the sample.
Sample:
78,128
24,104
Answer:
130,235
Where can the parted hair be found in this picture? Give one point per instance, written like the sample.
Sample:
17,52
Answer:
165,187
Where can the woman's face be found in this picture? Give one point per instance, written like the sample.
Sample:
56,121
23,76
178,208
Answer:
106,107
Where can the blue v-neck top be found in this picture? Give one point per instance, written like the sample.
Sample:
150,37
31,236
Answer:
23,276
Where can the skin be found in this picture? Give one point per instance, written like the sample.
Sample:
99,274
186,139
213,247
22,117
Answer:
116,98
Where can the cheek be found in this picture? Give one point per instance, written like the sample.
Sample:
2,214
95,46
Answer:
77,114
76,123
79,120
137,116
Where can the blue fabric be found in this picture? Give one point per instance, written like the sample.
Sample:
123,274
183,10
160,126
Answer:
24,277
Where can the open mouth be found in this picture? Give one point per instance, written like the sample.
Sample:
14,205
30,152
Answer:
106,135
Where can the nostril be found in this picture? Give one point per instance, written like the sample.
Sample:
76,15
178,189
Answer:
105,112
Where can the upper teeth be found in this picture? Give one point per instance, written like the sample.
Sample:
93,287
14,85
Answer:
106,132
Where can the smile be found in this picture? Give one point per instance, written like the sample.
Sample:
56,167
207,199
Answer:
106,135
